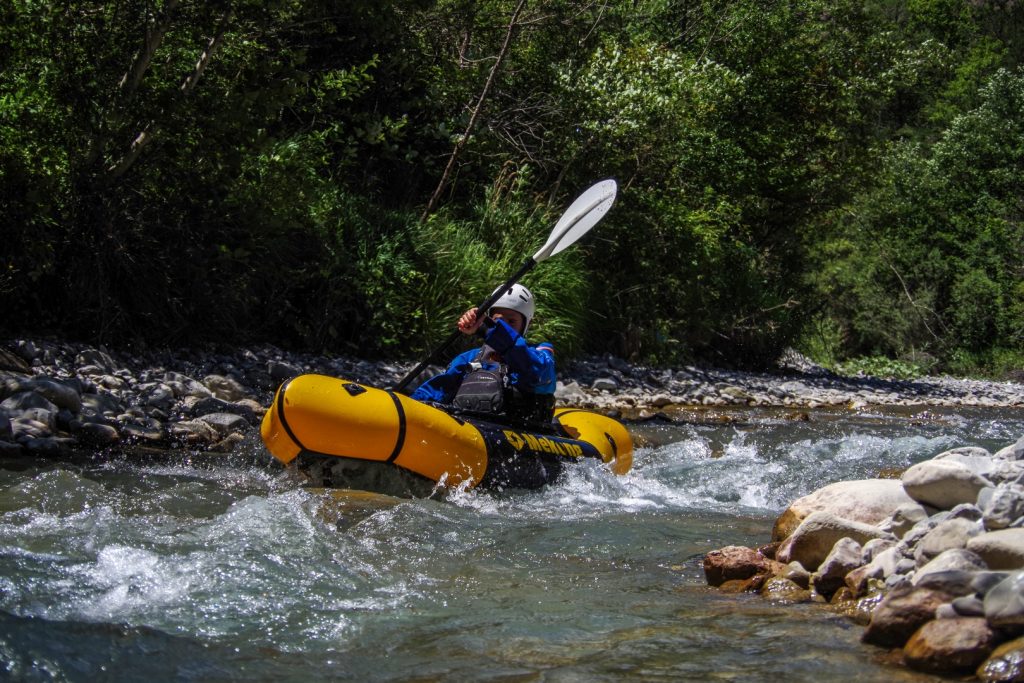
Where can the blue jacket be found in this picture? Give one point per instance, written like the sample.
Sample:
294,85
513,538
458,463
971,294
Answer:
531,366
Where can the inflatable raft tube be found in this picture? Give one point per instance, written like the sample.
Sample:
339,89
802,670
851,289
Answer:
326,424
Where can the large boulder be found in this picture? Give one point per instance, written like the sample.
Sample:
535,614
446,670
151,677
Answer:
869,501
814,539
943,484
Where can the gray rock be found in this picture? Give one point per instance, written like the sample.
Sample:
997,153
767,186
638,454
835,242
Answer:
183,385
948,535
956,559
869,501
843,559
1014,451
143,429
225,388
605,384
813,540
208,406
875,546
101,403
1001,505
157,395
969,606
1002,549
96,358
95,433
904,518
1007,472
49,446
193,432
984,581
978,460
280,372
9,449
950,581
943,484
226,423
1004,603
27,400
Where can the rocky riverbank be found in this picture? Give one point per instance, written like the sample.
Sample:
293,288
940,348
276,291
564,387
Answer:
60,398
932,563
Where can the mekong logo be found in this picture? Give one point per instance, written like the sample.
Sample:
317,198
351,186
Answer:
543,444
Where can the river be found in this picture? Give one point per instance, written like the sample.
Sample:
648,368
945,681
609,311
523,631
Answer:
219,570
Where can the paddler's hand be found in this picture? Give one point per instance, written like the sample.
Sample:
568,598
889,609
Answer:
470,322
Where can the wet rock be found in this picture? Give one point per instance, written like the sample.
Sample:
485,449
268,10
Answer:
280,371
733,563
950,645
208,406
95,433
226,423
101,403
143,429
901,613
193,432
1005,664
225,388
783,590
27,400
9,449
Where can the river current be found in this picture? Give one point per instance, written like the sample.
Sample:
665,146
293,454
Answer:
200,569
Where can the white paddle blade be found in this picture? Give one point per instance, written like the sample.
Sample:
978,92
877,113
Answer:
581,216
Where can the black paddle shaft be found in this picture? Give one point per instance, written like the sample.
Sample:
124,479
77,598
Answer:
482,308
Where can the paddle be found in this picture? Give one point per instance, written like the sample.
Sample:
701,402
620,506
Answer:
580,217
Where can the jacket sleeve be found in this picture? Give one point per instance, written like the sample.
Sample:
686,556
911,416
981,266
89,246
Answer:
534,365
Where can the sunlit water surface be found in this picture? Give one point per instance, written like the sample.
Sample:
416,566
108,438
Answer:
233,571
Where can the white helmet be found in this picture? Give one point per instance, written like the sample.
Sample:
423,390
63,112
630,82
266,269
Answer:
519,299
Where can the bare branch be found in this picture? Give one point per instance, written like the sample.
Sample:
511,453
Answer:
129,83
461,143
147,135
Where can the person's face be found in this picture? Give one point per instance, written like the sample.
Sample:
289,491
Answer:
513,319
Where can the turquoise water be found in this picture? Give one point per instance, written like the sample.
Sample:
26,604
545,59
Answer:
231,570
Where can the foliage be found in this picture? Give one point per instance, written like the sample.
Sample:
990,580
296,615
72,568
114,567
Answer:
837,174
880,366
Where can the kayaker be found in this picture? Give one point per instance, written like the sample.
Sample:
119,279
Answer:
507,375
